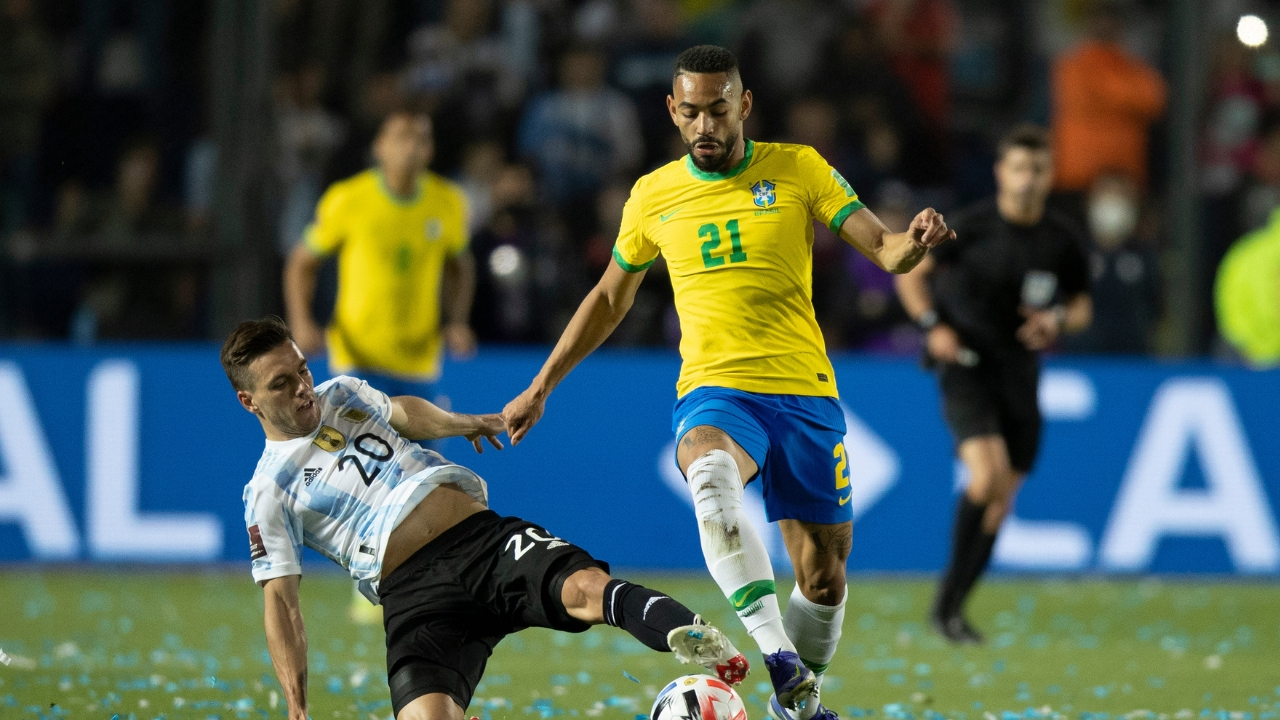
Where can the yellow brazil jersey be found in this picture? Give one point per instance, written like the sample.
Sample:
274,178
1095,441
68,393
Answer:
391,255
739,248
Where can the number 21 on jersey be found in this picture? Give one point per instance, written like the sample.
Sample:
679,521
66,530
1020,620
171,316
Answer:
711,232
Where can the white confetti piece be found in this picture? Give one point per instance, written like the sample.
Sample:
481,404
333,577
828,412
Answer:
4,658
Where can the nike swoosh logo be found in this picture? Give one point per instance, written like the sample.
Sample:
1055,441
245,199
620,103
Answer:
844,500
668,216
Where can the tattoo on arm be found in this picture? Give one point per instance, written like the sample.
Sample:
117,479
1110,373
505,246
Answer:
833,540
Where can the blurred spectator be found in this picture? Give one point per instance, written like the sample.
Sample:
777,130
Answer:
1126,280
28,68
523,264
920,38
308,137
877,111
642,69
1104,101
123,59
481,163
130,213
1236,103
461,71
582,135
781,52
1248,295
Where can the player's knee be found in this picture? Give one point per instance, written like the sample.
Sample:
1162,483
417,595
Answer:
583,594
713,480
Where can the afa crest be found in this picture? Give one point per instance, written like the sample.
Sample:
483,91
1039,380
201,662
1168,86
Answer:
329,440
762,193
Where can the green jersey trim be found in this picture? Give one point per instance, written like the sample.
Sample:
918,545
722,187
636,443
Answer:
844,213
400,199
736,171
617,257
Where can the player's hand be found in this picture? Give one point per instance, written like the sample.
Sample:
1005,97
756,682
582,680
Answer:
1040,329
929,229
308,336
488,427
522,414
460,340
943,343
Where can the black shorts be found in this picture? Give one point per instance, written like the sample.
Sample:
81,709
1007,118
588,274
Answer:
447,606
995,399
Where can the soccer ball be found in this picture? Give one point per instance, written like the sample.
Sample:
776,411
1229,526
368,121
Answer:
698,697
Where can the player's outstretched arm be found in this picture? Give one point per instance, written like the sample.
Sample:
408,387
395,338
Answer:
287,641
597,316
417,419
896,252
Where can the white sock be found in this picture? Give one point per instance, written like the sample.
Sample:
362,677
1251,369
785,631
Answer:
734,553
816,631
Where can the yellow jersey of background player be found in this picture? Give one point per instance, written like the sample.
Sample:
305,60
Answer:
405,272
757,394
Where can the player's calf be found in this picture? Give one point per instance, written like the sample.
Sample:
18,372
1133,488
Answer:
656,620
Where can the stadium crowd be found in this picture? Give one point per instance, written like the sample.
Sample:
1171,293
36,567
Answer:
545,111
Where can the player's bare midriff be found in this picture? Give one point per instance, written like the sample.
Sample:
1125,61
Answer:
440,510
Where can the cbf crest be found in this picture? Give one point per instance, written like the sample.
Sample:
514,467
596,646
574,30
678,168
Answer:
762,193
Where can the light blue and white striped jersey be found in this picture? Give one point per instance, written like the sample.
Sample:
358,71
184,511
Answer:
342,489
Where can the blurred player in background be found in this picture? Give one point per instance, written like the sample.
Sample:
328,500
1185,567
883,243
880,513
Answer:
405,273
1014,280
734,220
342,475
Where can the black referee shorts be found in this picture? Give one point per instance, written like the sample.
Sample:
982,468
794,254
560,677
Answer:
995,399
453,601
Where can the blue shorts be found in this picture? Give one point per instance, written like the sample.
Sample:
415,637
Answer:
796,440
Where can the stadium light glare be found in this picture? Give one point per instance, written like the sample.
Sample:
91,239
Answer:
1252,31
505,261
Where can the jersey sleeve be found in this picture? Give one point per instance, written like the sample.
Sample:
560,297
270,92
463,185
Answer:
633,251
831,198
275,536
327,231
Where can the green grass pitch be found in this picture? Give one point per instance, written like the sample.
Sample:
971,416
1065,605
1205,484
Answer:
145,645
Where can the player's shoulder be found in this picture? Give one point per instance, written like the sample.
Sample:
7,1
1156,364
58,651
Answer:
666,175
442,187
362,184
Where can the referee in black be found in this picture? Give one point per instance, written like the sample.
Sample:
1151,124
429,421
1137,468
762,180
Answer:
1014,279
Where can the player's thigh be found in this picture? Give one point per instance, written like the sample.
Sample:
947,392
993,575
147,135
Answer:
711,418
818,553
807,476
432,706
525,579
702,439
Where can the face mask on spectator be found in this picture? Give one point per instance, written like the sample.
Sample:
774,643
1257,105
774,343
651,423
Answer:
1112,219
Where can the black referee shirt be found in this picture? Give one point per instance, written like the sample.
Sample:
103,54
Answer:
993,268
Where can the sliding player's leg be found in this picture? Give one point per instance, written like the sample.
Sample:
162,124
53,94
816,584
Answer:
655,619
432,706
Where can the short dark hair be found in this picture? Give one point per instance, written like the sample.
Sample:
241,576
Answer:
1025,136
249,341
705,59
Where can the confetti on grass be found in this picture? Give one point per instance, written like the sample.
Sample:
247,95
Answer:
6,660
630,677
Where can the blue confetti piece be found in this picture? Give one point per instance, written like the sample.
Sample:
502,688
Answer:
635,680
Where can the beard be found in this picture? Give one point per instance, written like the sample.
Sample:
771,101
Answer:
717,163
296,424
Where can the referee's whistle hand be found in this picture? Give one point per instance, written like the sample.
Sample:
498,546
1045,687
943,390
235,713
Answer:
929,229
1040,329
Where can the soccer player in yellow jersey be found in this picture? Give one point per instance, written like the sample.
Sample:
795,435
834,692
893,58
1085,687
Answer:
405,272
400,234
757,395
